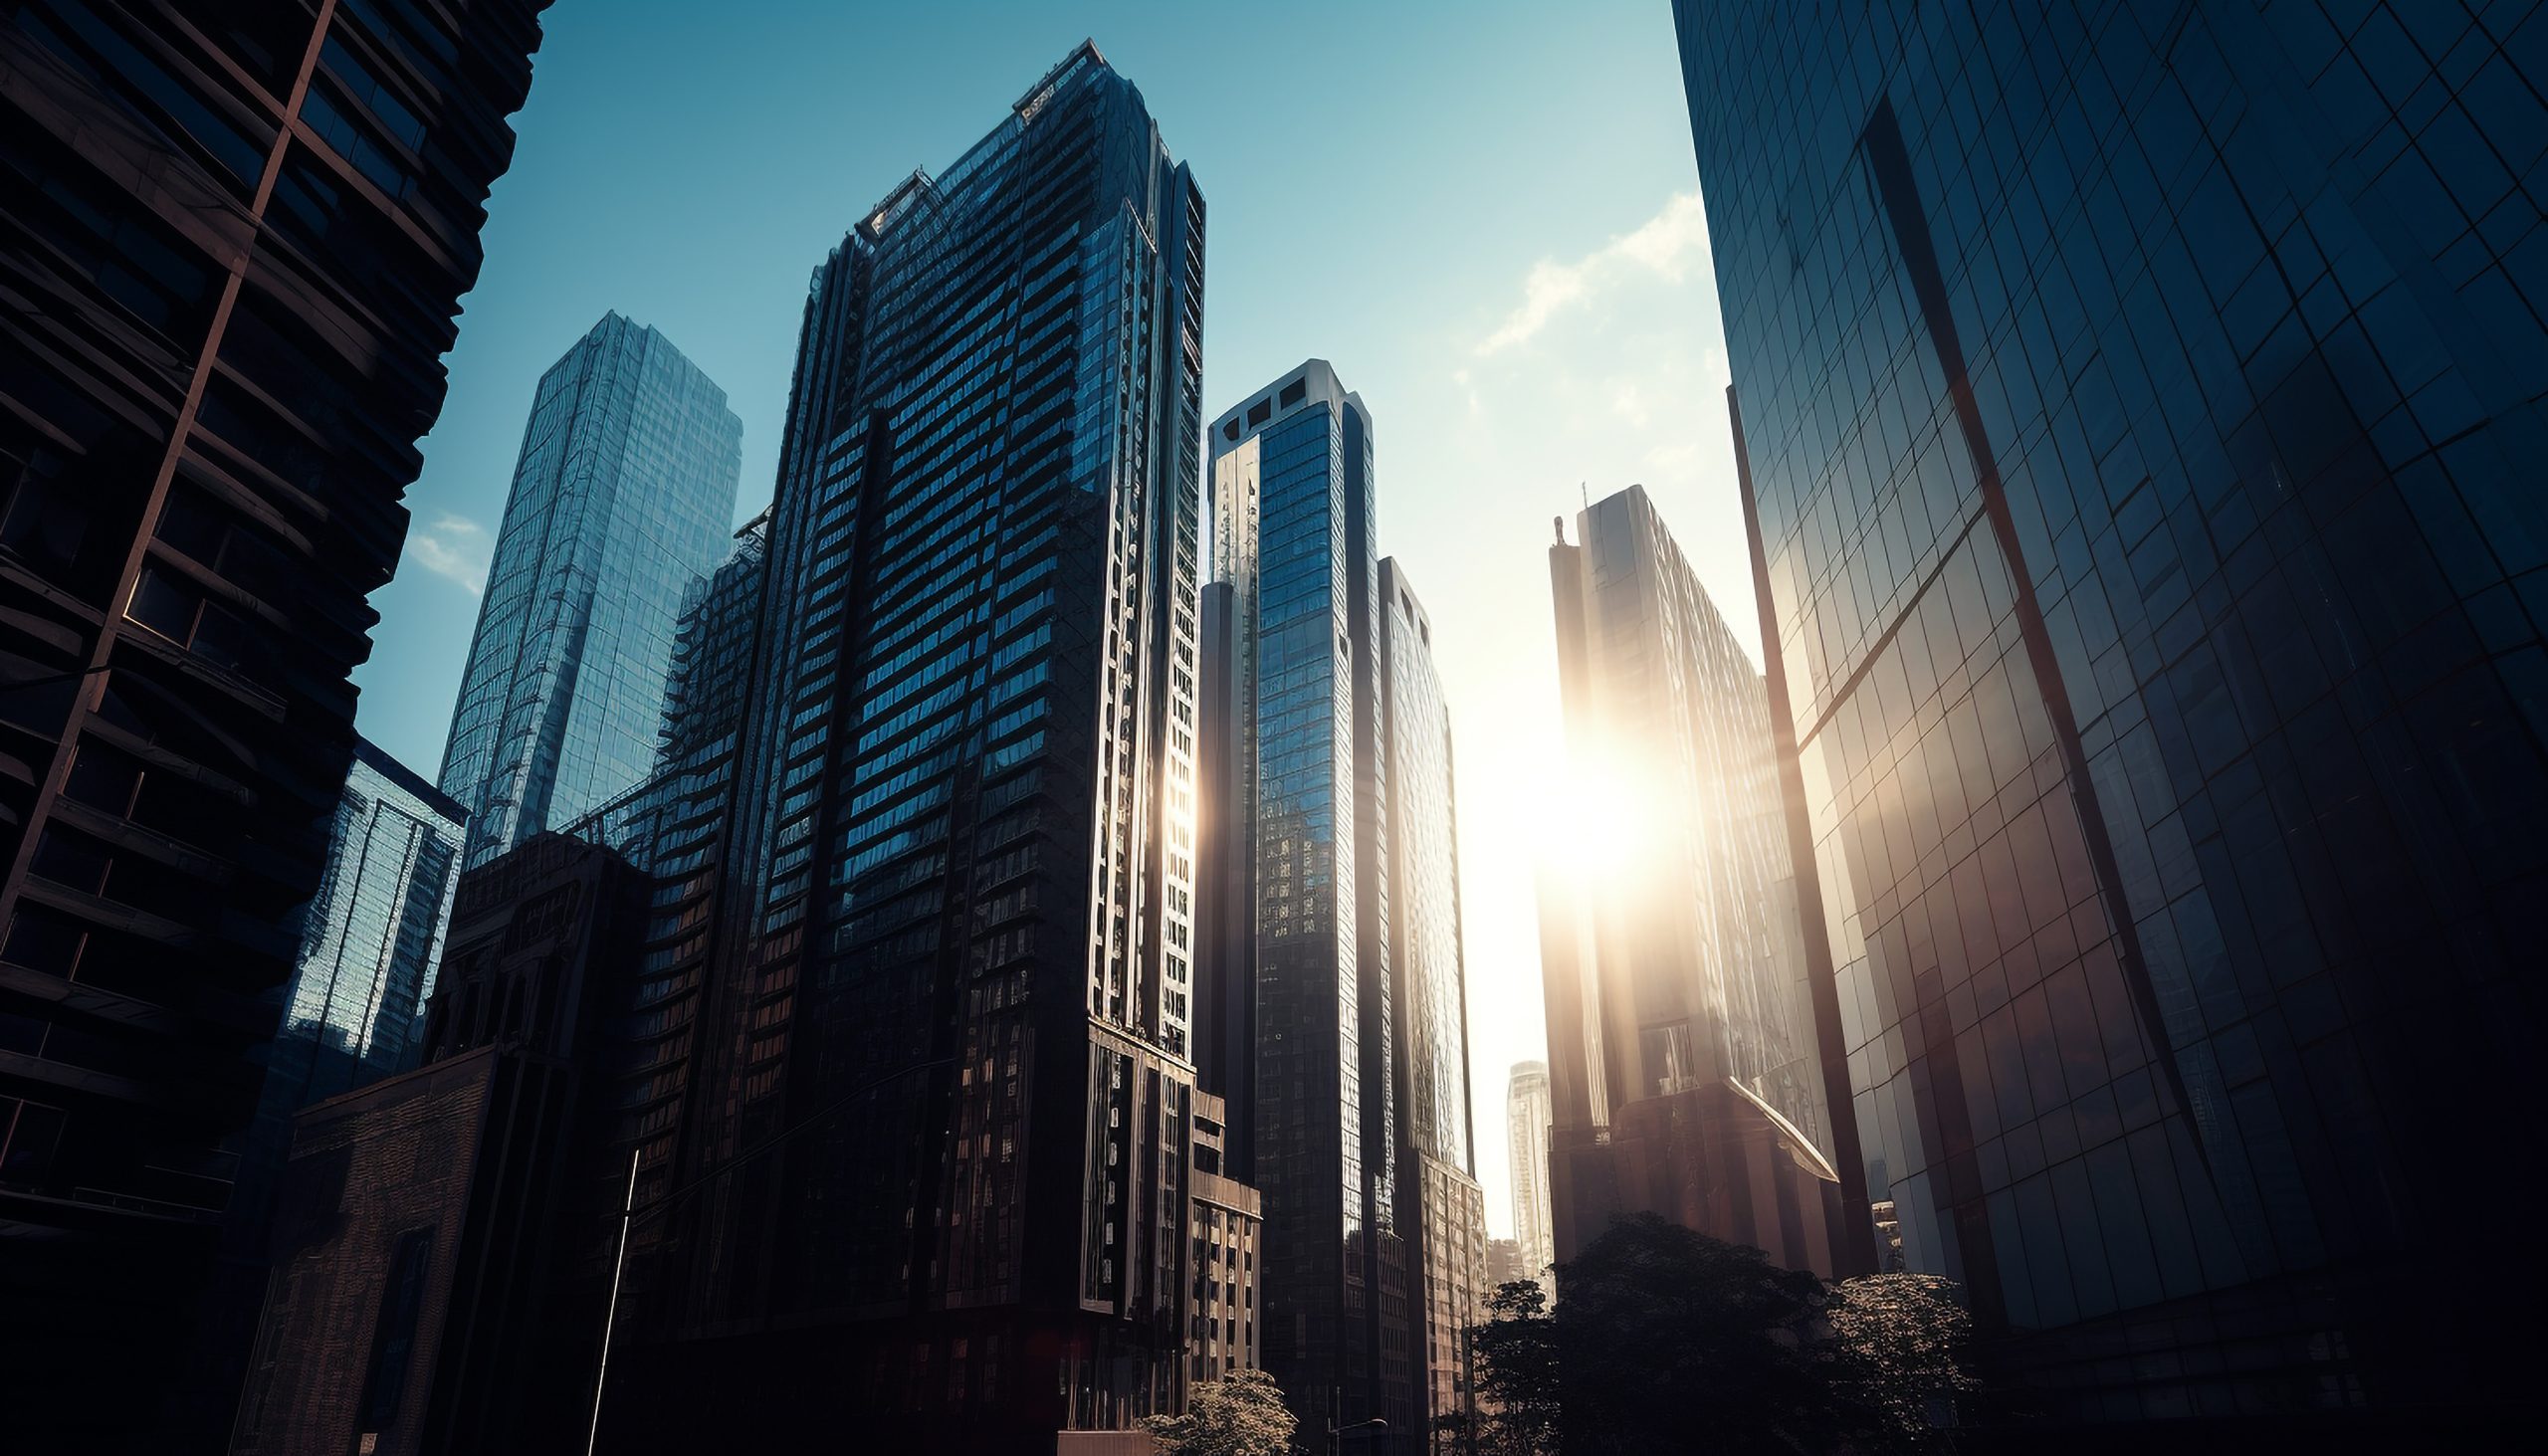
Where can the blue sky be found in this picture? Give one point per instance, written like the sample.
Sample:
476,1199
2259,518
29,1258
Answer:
1484,215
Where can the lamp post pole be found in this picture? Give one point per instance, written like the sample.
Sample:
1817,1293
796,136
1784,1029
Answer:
610,1316
1336,1433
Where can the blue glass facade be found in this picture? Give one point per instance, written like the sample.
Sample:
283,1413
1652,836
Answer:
1443,1208
678,828
1294,523
2138,414
623,496
372,937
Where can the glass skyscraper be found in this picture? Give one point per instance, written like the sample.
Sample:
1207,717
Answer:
953,960
623,494
1443,1208
1683,1075
372,935
2137,413
1526,1128
1293,536
237,235
678,827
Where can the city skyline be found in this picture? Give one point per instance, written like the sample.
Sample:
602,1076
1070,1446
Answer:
1987,872
1577,298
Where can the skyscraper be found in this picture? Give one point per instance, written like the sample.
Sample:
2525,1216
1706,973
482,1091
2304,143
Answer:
1443,1208
622,497
372,937
237,235
1686,1082
679,826
2137,417
954,976
1526,1130
1293,536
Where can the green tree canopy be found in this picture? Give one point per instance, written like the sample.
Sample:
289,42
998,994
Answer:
1241,1414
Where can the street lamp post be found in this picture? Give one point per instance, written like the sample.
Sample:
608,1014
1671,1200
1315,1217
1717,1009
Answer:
630,1214
1334,1433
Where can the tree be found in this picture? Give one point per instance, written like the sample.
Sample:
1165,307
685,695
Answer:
1669,1341
1241,1414
1904,1334
1517,1372
1672,1340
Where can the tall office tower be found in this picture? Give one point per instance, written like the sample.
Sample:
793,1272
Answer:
679,827
1444,1209
1293,536
2138,421
1527,1116
958,975
1685,1079
622,497
235,237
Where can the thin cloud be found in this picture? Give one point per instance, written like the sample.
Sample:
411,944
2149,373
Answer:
454,548
1666,245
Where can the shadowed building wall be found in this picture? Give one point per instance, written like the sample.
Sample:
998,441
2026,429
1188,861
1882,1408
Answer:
2139,425
232,242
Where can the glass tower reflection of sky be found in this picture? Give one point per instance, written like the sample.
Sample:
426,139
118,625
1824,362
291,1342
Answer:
374,934
2139,419
1295,517
623,496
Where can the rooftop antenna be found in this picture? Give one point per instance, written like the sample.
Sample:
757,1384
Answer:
1583,488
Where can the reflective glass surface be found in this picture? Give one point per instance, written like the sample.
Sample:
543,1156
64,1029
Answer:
623,496
1294,510
2139,407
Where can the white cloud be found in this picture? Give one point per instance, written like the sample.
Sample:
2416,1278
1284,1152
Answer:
455,548
1664,245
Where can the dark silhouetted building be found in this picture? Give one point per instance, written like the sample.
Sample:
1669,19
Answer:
961,873
1225,886
370,945
1293,537
442,1250
2140,432
622,498
236,237
1683,1079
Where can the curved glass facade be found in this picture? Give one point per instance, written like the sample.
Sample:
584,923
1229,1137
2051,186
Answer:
2137,411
